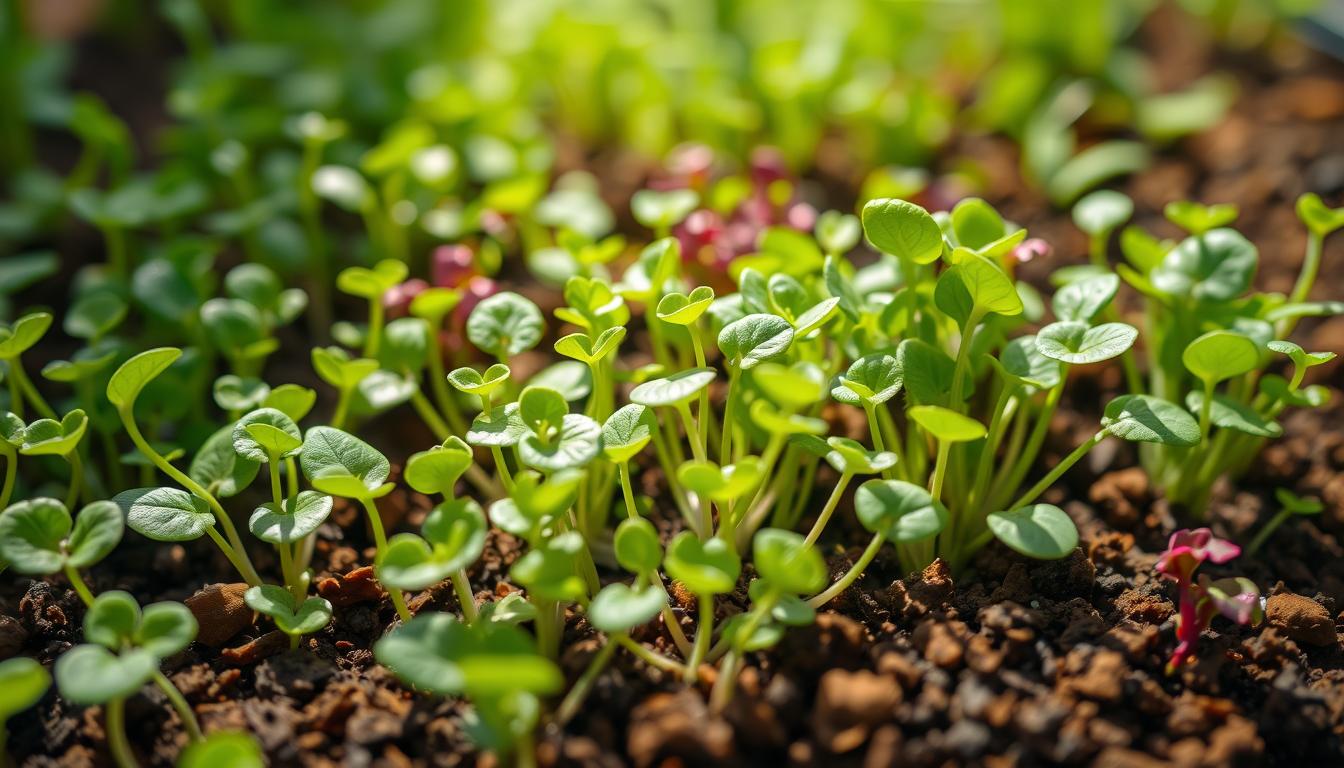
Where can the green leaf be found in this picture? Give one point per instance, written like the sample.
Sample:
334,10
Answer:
48,437
473,382
1082,300
902,229
1077,343
292,400
1300,357
550,572
794,386
620,608
233,393
840,285
341,464
502,427
266,435
32,535
637,547
1219,355
95,314
706,568
335,366
278,603
219,468
570,378
372,283
437,653
1217,267
776,422
851,456
434,304
722,484
873,379
755,339
23,683
661,210
125,385
902,512
837,232
1020,362
976,224
293,521
1319,218
784,559
112,620
98,529
408,563
1297,505
1095,165
626,432
405,349
505,324
577,443
947,425
1100,212
1230,414
927,371
165,514
1148,419
165,628
1198,219
91,674
1041,531
223,749
680,387
975,287
683,309
542,409
438,469
19,337
588,350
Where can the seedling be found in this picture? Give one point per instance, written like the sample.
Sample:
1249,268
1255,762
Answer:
1289,504
23,683
295,620
38,537
1200,600
235,749
16,339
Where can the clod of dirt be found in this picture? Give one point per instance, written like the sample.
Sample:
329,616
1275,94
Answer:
1099,675
357,586
1120,496
677,725
1301,618
12,637
221,612
269,644
850,704
296,674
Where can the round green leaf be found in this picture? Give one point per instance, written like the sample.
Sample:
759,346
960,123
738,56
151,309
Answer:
48,437
1077,343
456,530
784,559
98,529
680,387
1100,212
851,456
1219,355
266,435
902,229
334,366
947,425
721,483
341,464
91,674
277,603
438,469
219,468
542,409
1041,531
754,339
1021,363
550,572
902,512
626,432
975,287
586,349
435,652
292,400
1148,419
505,324
501,427
290,524
577,443
620,607
32,535
473,382
1319,217
794,386
19,337
683,309
637,547
165,514
112,620
1217,266
236,394
23,683
165,628
125,385
408,563
706,568
1083,299
372,283
95,315
873,379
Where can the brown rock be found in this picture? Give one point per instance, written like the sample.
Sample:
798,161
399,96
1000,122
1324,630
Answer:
1301,618
850,704
357,586
221,612
677,727
1103,677
940,643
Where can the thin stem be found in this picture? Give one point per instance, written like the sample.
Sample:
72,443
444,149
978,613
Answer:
380,542
963,358
25,385
117,743
670,620
570,706
1265,532
1206,410
725,446
851,575
703,632
1311,264
649,657
374,338
464,595
76,478
502,468
940,470
180,705
430,416
693,435
626,490
11,472
76,581
826,511
1054,474
342,408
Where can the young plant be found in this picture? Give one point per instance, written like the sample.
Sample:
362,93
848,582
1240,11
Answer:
705,568
1201,599
38,537
1289,504
291,617
235,749
125,647
15,339
23,683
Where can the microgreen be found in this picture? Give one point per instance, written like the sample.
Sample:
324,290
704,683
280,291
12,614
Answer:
1290,504
23,683
306,618
1200,600
39,537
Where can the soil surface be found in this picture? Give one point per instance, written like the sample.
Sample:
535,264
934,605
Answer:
1014,662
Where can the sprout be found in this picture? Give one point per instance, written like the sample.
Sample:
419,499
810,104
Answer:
1200,600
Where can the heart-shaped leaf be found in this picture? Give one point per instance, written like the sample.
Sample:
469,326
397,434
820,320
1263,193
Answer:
1230,414
976,287
927,371
234,393
872,379
551,571
219,468
505,324
706,568
335,366
588,350
1197,218
456,530
947,425
1041,531
626,432
292,400
48,437
975,223
341,464
572,379
95,315
125,385
542,409
165,514
723,484
660,210
902,512
1098,213
266,434
680,387
435,652
32,535
851,456
1082,300
372,283
165,629
755,339
1077,343
1319,217
577,443
1021,363
115,621
620,608
637,547
91,674
473,382
1217,266
97,531
683,309
794,386
438,469
230,749
278,603
787,561
19,337
902,229
1148,419
290,523
501,427
1219,355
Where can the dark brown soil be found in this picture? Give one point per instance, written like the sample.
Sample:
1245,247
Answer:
1015,662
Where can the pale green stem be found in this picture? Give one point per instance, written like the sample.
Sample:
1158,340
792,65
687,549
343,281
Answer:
626,490
375,337
76,581
1054,474
570,706
464,596
703,632
342,408
11,472
20,378
380,542
180,705
831,502
693,435
117,742
656,660
851,575
76,479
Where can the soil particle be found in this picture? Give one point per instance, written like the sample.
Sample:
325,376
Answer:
941,642
849,705
297,674
1121,496
251,652
1094,673
1301,618
220,612
12,637
673,728
1073,576
43,611
1144,605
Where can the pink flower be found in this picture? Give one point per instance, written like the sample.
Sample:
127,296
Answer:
1032,248
1187,549
398,297
451,265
